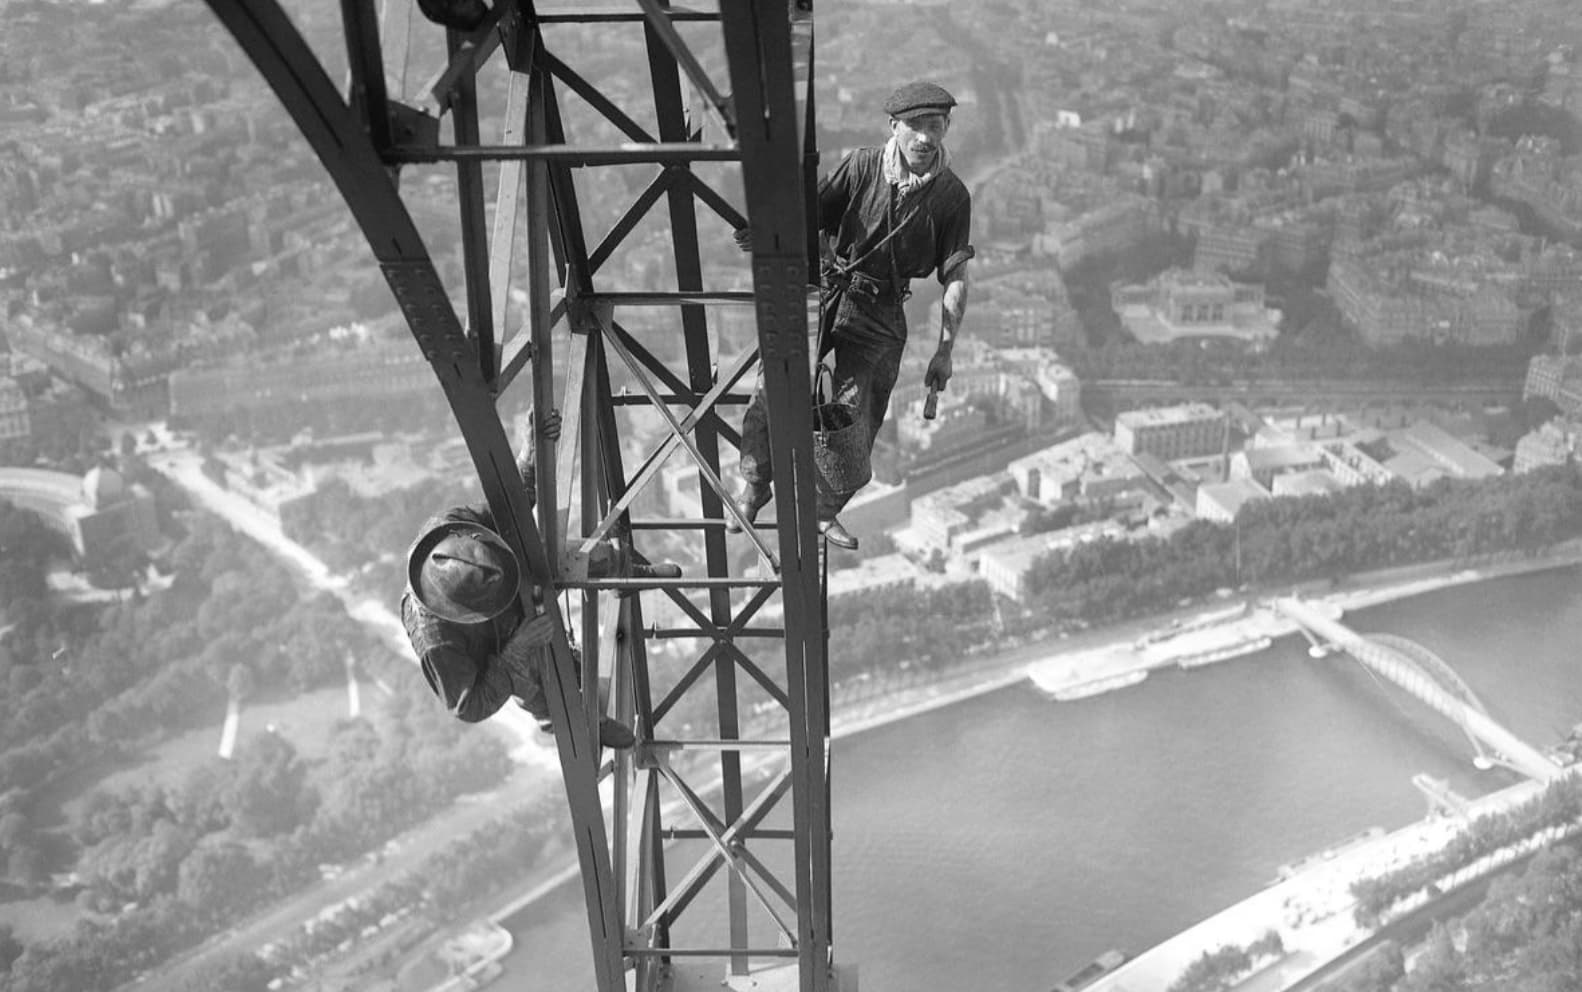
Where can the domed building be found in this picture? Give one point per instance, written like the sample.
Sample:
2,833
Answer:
99,514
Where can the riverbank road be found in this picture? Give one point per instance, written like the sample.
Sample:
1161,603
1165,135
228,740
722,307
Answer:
1311,910
403,855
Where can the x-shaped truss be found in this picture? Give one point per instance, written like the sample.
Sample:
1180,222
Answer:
532,239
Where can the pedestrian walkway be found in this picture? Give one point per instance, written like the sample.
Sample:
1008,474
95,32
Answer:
1311,911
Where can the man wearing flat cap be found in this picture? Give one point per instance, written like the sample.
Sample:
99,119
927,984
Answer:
888,214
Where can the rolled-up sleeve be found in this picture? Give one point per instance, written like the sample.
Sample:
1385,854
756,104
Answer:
954,237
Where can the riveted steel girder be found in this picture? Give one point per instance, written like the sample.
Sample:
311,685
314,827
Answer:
541,123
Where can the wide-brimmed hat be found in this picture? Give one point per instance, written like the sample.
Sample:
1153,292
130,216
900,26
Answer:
463,571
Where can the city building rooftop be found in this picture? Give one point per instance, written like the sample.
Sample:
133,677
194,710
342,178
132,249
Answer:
1162,415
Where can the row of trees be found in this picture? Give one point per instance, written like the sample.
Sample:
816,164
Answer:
475,866
25,551
348,531
104,953
1225,968
65,430
1525,936
1313,537
1303,359
1559,806
874,630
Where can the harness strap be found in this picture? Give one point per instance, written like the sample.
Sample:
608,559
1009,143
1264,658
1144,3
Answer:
844,272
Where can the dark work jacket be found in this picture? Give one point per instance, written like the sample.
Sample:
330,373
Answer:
858,208
461,660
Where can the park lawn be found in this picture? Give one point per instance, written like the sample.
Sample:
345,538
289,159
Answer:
40,918
306,720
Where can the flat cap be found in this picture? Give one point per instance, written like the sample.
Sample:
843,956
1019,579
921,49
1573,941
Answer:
921,97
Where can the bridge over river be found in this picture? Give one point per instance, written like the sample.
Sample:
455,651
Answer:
1311,909
1422,674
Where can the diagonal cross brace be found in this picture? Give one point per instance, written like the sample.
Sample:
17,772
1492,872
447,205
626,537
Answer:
656,461
681,434
725,638
659,22
725,850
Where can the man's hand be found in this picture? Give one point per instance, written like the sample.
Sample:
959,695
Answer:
526,643
743,238
529,447
551,429
939,369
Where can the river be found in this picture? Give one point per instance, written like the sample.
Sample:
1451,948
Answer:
1003,842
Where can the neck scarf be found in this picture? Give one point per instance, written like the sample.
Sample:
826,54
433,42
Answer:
904,179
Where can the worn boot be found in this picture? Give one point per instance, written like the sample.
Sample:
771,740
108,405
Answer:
837,534
615,735
749,500
458,15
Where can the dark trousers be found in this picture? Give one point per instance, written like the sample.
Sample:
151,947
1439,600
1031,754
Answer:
862,345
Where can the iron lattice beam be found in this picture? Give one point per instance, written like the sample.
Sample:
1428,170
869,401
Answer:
750,63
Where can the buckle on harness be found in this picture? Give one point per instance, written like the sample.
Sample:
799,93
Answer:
863,287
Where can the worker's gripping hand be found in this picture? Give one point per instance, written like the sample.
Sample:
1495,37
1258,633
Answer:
551,429
535,632
527,642
526,451
939,369
743,238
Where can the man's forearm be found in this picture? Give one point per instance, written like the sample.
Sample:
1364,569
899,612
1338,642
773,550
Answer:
485,697
952,308
469,694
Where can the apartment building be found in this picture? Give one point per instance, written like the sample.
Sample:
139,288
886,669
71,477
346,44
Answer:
1188,430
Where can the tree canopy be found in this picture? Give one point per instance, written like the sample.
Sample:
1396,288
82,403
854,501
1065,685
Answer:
1312,537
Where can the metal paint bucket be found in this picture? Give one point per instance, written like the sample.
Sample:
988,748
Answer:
840,447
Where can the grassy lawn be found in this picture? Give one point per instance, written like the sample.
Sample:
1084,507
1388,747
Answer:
306,721
39,919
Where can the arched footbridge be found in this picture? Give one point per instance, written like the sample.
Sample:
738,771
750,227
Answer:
1428,678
